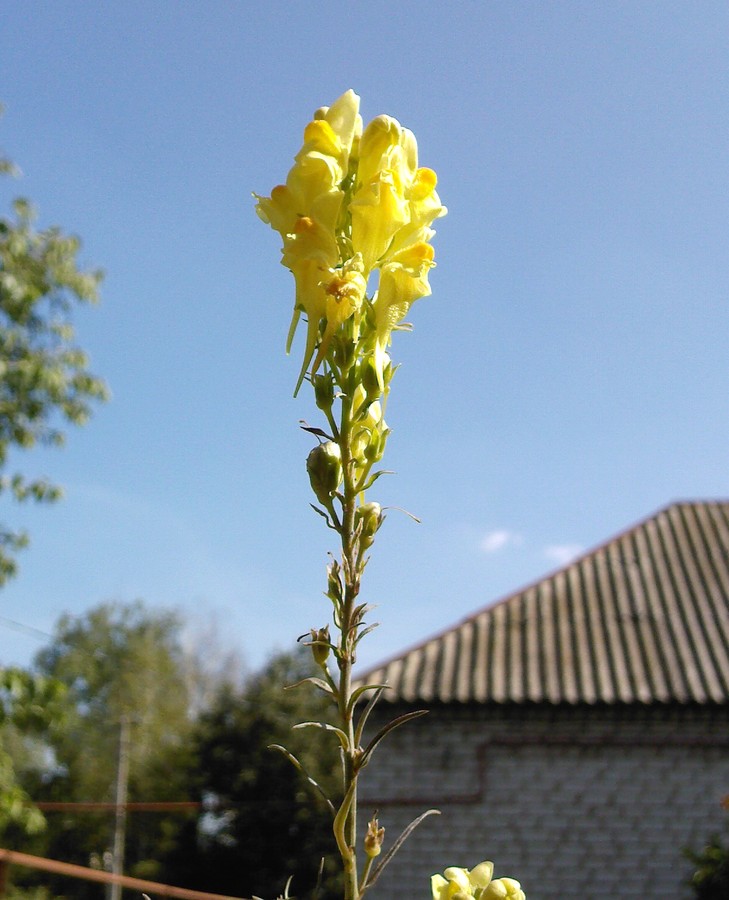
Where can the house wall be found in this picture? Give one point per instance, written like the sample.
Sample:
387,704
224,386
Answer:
578,803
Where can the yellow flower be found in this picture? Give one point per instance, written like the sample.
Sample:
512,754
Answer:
454,886
345,124
379,209
378,143
344,291
312,187
309,252
403,280
462,884
503,889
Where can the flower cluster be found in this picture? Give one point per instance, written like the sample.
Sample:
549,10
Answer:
354,203
477,883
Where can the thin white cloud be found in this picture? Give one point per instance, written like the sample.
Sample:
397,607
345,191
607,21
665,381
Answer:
563,553
498,539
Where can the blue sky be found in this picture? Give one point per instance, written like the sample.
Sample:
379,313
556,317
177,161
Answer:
567,378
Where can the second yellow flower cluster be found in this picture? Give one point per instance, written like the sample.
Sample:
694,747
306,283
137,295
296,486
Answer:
475,884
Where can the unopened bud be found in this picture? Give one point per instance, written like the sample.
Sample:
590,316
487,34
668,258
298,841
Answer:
344,352
374,838
371,378
370,514
324,391
324,465
320,644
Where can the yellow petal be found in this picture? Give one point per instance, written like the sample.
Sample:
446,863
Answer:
314,185
309,252
481,875
402,281
378,138
378,210
343,116
320,137
280,210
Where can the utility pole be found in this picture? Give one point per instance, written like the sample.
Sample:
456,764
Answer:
120,812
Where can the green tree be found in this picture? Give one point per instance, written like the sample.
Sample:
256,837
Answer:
119,663
44,385
28,704
261,823
44,379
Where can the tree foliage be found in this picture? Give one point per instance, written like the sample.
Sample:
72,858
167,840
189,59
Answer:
264,822
45,383
28,704
117,661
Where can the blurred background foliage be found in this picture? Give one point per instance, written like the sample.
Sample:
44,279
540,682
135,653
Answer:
198,733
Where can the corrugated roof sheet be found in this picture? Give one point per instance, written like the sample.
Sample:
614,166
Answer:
643,618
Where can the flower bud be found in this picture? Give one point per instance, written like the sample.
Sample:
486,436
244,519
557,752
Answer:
371,378
370,514
344,351
374,838
320,645
324,391
324,465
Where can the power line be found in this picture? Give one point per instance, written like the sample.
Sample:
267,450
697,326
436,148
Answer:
25,629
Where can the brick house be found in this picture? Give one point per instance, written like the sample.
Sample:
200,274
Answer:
578,732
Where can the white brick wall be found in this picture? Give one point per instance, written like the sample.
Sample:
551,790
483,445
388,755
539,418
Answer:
582,803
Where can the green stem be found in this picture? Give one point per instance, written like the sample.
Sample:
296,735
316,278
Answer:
347,644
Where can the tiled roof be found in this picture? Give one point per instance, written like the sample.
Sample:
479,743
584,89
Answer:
644,618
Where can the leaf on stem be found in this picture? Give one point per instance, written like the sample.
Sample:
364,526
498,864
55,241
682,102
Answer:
378,688
340,822
409,514
312,429
317,682
324,516
343,739
366,631
396,846
357,693
391,726
373,478
295,762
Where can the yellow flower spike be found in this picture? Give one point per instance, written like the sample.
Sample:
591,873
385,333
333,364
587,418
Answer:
391,203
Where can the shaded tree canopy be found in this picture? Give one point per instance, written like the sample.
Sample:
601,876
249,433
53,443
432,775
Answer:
264,821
